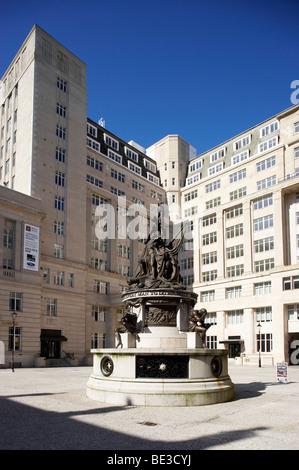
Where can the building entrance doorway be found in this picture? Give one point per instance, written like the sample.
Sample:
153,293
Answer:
51,343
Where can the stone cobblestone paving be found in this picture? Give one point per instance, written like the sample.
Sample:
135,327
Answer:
48,409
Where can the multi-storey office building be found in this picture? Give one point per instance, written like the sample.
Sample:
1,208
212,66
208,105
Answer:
50,152
240,254
242,199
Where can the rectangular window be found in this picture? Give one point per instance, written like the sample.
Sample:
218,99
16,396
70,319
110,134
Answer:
61,84
61,132
263,223
265,244
266,183
149,165
92,130
218,154
94,163
98,313
240,157
14,335
58,250
59,203
59,178
296,126
209,238
263,265
15,302
101,287
61,110
71,280
234,251
274,126
93,144
111,142
136,185
51,307
209,258
237,193
207,220
117,192
191,195
99,264
234,211
136,169
215,169
233,292
262,288
60,154
132,155
94,181
233,271
263,314
268,144
267,163
238,175
213,203
235,317
264,342
117,175
207,296
209,275
213,186
242,142
263,202
234,231
58,278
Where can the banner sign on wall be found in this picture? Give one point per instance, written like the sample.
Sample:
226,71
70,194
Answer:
31,247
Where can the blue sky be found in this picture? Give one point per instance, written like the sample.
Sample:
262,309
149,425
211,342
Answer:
206,70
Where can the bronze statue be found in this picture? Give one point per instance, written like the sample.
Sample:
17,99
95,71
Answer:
197,324
129,323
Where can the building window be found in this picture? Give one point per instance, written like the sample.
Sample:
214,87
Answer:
274,126
92,130
217,155
233,292
263,314
101,287
186,263
265,244
98,340
188,280
61,110
14,335
135,168
98,313
209,238
293,312
136,185
95,181
240,157
58,251
71,280
94,163
132,155
99,264
213,203
58,227
98,200
237,193
207,296
234,211
264,342
59,278
60,154
262,288
296,152
117,192
191,195
208,276
61,84
268,144
123,251
52,307
233,271
234,251
46,275
59,178
8,236
263,223
242,142
235,317
266,183
61,132
296,126
215,169
111,142
265,164
117,175
59,203
234,231
93,144
16,302
263,202
211,342
290,283
213,186
149,165
263,265
209,258
238,175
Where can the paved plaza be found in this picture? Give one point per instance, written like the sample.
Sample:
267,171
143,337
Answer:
48,409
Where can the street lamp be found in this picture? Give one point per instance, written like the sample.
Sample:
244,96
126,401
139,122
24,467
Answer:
259,327
14,316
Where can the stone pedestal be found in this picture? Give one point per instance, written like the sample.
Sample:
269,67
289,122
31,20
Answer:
163,364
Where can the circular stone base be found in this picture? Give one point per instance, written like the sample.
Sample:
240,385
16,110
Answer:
119,377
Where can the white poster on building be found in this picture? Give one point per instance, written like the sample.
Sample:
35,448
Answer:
31,247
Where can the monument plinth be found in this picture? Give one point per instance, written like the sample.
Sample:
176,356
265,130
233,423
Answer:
160,357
